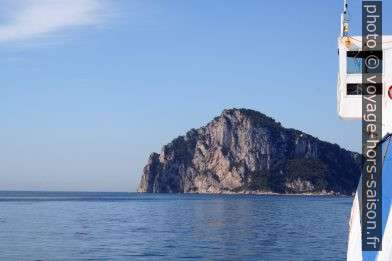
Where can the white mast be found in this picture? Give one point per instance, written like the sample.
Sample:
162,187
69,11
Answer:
344,21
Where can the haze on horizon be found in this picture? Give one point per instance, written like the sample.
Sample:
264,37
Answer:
89,88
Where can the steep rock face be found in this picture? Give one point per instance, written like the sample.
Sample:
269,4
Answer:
244,151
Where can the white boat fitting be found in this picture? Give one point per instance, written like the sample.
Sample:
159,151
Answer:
349,107
349,89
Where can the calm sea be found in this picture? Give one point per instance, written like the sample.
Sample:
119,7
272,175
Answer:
131,226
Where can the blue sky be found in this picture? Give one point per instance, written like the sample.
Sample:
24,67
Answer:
89,88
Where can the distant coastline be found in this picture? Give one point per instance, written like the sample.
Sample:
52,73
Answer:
262,193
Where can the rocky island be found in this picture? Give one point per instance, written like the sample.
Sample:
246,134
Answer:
245,151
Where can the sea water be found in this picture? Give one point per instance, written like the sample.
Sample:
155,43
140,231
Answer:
132,226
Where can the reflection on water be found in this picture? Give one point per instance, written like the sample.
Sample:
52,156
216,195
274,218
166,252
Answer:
131,226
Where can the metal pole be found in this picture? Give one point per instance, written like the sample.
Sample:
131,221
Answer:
343,20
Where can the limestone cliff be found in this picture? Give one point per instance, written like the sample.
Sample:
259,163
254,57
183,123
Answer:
244,151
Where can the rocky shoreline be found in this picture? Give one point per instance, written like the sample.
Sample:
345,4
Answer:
246,152
270,193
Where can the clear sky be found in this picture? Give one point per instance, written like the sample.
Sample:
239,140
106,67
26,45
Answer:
89,88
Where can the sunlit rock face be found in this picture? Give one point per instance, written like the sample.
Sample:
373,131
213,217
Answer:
244,151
